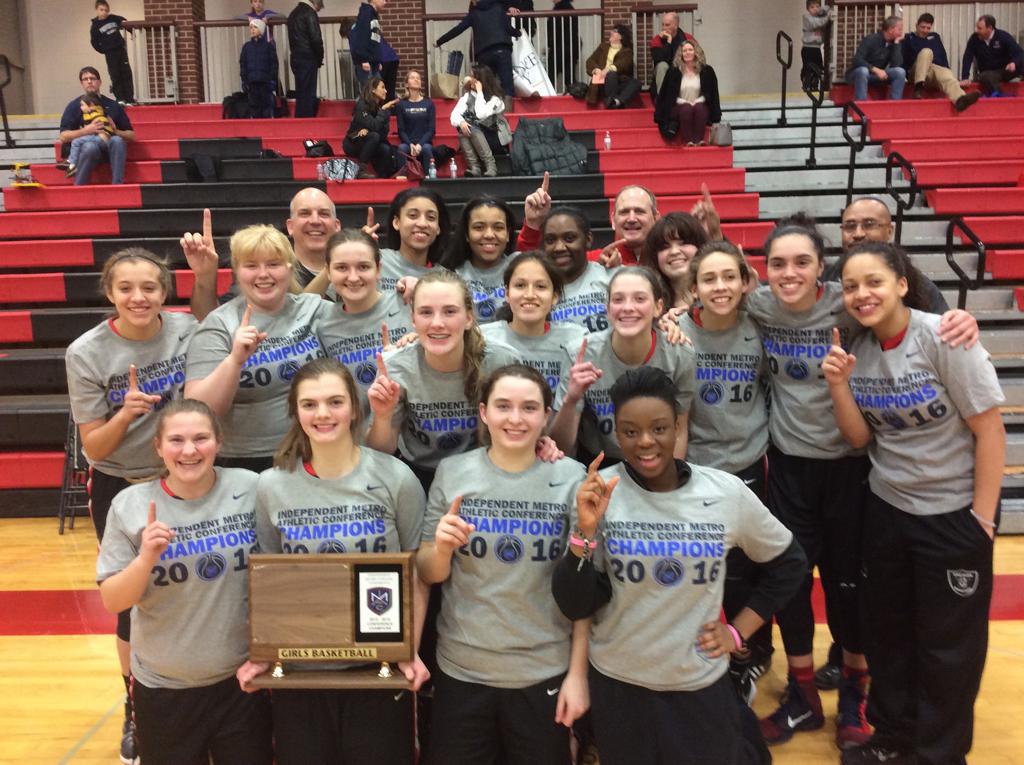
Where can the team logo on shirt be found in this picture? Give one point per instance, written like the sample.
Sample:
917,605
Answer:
668,572
287,370
378,599
796,369
449,441
712,393
485,309
330,546
508,548
964,582
893,420
210,565
366,373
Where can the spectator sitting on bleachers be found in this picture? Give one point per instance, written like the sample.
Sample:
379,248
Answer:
688,100
73,125
664,47
611,70
416,121
478,116
371,54
924,59
492,37
258,67
258,11
92,111
998,56
879,58
367,136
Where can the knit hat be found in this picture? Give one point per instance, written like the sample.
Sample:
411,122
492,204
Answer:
259,24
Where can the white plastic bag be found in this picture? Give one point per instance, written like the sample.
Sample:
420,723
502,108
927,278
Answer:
528,72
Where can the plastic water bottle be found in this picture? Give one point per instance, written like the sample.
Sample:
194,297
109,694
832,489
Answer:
321,173
453,169
432,170
607,140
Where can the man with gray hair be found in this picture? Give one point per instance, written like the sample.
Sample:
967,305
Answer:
664,46
879,58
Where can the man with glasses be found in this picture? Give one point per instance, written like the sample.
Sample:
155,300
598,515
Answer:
73,125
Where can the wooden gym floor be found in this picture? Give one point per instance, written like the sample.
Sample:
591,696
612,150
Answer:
61,693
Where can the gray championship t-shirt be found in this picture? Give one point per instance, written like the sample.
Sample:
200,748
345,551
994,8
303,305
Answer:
97,367
499,624
258,418
546,353
393,267
801,420
190,628
729,415
664,553
916,397
597,422
434,418
486,287
585,300
354,338
378,507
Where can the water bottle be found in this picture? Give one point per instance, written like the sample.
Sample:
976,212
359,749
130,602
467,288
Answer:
453,169
432,170
607,140
321,173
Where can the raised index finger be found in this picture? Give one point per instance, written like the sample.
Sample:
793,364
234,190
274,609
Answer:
207,226
133,378
546,182
593,466
369,217
835,337
385,338
151,518
247,316
382,370
583,352
705,193
455,506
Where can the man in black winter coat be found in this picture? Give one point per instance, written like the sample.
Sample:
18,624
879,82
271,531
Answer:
106,38
307,54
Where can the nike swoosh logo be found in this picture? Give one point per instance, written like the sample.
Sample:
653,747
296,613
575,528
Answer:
238,496
552,691
912,354
552,484
395,313
749,481
182,337
708,502
793,722
374,488
748,339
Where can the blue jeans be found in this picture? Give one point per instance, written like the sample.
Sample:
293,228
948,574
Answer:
77,144
862,76
114,151
426,153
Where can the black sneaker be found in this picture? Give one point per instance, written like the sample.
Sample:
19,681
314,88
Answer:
827,677
795,713
129,749
967,100
871,754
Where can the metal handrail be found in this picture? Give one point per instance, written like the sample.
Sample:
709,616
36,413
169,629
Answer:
966,283
894,159
817,99
8,138
856,144
786,64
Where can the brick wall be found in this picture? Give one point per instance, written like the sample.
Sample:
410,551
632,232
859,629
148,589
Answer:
183,13
402,21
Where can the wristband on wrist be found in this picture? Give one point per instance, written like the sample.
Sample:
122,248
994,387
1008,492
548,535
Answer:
735,636
983,521
577,539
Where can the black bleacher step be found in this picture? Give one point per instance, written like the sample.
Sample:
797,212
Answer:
32,371
39,503
240,170
58,327
561,187
224,148
33,421
226,194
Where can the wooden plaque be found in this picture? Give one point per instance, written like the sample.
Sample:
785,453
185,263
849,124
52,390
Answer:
332,611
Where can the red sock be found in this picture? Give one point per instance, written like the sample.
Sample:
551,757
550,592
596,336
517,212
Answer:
804,677
858,676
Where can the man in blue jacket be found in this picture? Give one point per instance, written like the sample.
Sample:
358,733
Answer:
998,56
73,125
879,58
371,54
925,60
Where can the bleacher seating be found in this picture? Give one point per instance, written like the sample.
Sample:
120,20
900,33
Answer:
54,241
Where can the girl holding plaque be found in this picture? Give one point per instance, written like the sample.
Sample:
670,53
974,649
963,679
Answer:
176,552
327,494
512,669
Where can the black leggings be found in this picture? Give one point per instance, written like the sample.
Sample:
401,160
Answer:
372,149
102,490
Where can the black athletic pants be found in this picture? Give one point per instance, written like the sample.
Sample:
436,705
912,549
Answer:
305,72
343,727
822,503
194,726
638,726
120,70
477,724
927,595
102,490
372,149
812,65
261,99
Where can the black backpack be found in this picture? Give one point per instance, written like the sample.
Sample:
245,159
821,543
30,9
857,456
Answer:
236,107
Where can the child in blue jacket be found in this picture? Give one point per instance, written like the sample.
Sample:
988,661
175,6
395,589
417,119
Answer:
258,64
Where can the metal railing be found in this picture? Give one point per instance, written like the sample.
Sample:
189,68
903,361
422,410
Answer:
856,144
966,282
547,32
817,96
6,64
153,53
786,63
646,21
220,43
894,159
954,21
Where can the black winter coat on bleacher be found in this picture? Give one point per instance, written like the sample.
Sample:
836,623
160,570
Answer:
258,62
304,38
374,120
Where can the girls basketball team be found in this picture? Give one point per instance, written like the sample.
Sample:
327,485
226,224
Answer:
580,594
